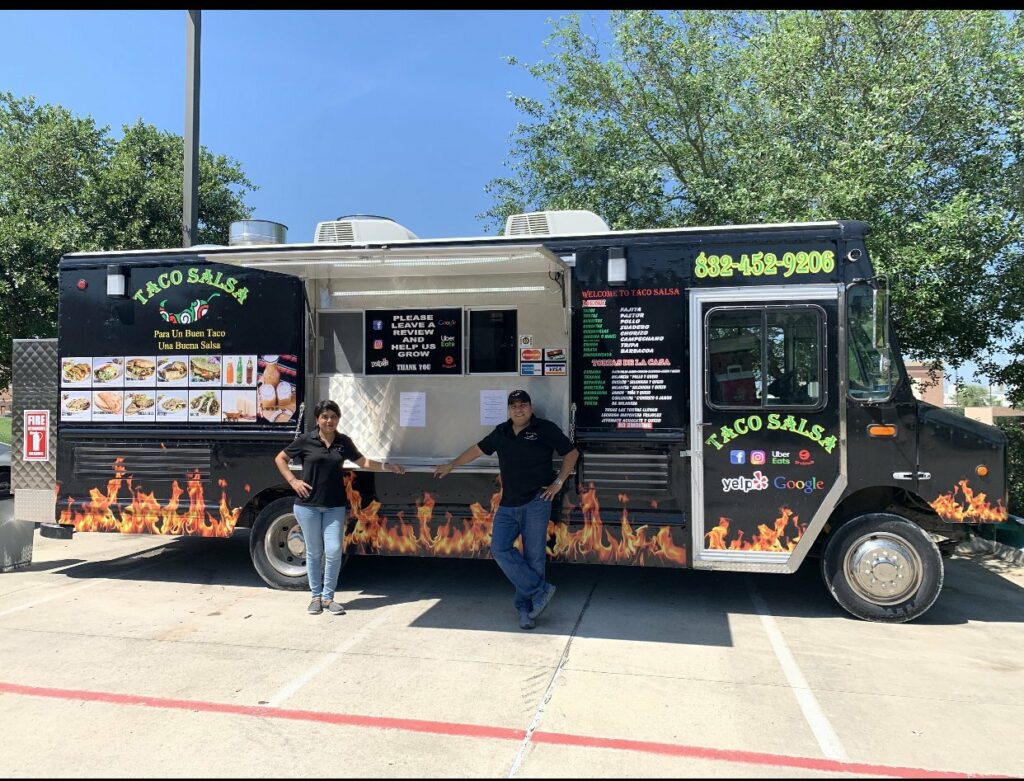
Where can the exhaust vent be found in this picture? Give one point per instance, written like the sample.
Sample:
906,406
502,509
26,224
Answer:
246,233
361,229
552,223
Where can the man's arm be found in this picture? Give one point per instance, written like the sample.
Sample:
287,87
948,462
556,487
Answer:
469,454
568,464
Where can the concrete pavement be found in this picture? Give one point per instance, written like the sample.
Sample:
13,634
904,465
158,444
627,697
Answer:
169,657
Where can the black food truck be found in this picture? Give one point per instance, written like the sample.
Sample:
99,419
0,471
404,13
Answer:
736,392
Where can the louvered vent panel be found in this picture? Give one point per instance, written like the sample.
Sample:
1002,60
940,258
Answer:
626,471
535,223
335,232
93,462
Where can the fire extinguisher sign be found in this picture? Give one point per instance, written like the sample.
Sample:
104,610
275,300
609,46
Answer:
37,435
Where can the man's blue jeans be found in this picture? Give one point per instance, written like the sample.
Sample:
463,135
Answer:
322,531
526,569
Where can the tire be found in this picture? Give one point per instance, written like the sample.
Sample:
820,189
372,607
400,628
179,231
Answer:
5,483
882,567
277,548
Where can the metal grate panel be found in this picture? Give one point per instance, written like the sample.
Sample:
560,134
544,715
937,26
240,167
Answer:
34,368
155,462
626,471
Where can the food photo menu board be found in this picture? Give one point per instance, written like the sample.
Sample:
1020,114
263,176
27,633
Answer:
176,388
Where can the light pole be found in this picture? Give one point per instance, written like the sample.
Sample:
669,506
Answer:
190,186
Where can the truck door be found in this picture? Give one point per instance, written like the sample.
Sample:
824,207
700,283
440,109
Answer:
765,413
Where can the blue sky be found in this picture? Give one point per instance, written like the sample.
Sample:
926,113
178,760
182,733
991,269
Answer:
399,113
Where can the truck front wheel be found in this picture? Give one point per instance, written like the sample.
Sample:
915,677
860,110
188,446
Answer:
882,567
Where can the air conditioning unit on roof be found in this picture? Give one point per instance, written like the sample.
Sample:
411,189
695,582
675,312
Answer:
361,229
555,223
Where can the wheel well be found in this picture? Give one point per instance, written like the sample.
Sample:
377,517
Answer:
258,502
890,499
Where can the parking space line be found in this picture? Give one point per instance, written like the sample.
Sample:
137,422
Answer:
331,657
550,690
828,740
456,729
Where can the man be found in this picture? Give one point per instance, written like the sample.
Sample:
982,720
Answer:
524,444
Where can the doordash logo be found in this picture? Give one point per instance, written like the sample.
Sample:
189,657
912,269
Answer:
745,484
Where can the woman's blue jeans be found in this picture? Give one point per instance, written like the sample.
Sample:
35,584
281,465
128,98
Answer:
526,569
323,529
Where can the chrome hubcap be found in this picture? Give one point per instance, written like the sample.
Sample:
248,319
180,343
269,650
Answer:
883,568
284,546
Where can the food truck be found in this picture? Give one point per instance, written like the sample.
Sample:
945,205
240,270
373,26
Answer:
736,393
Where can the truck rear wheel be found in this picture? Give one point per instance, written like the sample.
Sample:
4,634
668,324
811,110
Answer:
882,567
277,548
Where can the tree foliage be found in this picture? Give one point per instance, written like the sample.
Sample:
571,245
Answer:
974,396
910,120
66,186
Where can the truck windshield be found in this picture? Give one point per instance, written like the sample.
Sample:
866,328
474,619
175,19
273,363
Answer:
871,369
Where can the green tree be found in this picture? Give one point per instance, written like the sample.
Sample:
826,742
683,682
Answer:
66,186
973,396
910,120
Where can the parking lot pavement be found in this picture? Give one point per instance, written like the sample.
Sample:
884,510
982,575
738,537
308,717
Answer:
147,656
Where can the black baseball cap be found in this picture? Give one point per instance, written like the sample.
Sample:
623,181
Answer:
519,395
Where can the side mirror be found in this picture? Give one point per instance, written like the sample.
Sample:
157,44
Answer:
880,314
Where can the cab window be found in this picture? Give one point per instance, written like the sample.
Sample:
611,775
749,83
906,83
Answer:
765,357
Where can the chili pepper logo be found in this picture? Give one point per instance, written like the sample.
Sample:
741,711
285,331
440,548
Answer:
196,311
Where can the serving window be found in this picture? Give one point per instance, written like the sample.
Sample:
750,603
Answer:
493,335
340,342
343,347
765,357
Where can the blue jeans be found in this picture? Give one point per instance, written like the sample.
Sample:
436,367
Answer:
322,530
526,569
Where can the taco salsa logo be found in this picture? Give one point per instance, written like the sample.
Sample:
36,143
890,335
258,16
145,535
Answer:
199,306
775,422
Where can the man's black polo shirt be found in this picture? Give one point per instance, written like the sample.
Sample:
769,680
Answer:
525,458
322,467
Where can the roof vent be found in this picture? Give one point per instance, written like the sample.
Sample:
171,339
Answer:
550,223
361,229
247,233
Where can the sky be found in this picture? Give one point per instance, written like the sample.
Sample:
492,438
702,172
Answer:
403,114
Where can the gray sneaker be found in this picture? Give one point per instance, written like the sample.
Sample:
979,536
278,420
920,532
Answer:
541,602
525,622
334,608
315,607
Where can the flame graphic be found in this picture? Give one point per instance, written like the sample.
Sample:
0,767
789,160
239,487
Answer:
770,538
974,509
373,533
145,515
594,543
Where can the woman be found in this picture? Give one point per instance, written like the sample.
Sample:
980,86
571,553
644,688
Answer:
320,508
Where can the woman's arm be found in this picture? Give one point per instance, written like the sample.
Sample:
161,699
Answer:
380,466
300,487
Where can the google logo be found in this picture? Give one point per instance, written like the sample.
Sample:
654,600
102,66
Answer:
808,486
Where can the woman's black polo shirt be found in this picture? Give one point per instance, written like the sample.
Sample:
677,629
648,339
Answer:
322,467
525,458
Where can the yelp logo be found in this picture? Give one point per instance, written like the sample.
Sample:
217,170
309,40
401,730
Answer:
758,482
